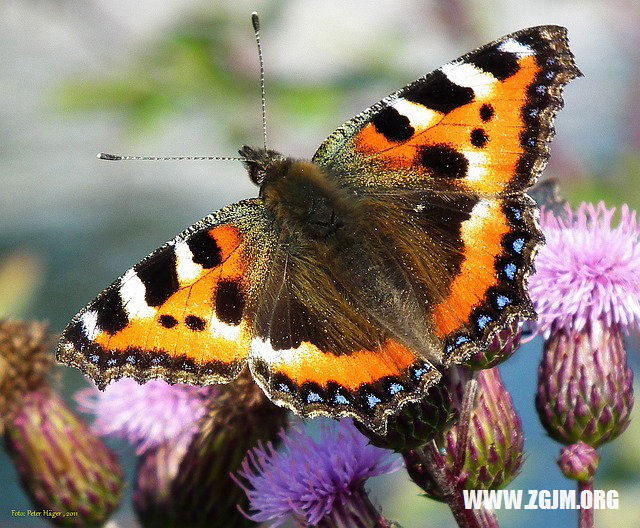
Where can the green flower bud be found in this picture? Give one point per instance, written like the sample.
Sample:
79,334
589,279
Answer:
63,466
495,441
579,462
585,387
189,484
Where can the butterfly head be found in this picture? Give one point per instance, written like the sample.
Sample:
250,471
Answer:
262,164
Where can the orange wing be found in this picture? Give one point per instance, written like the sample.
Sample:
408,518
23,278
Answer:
366,384
439,170
479,124
454,153
181,313
466,259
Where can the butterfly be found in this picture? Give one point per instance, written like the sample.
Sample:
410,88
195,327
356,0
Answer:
354,278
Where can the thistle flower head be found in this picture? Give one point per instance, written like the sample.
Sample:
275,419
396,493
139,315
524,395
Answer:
145,415
25,362
495,441
585,385
62,465
579,461
307,478
588,269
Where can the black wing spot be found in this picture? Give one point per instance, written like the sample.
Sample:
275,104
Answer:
168,321
195,323
526,165
205,250
479,138
159,276
393,125
111,315
439,93
443,161
500,64
229,302
486,112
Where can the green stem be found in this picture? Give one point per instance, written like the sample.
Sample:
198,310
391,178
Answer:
448,480
448,485
356,512
585,517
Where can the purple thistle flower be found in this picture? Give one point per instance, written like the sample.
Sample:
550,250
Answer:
146,415
308,479
588,270
586,291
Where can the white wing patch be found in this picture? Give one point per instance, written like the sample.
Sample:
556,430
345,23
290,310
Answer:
188,270
228,332
479,215
513,46
90,326
477,169
132,292
420,116
262,349
470,76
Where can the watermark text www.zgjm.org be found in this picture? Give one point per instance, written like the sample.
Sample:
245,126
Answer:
543,499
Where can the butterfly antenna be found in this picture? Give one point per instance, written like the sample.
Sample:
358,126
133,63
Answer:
256,28
116,157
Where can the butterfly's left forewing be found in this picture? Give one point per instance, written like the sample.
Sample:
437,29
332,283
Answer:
183,313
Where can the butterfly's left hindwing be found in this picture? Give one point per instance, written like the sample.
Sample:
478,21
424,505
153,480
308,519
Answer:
182,313
367,384
317,347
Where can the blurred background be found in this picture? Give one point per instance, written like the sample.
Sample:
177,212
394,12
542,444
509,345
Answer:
180,77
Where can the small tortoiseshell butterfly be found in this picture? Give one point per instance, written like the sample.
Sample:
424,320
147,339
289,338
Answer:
400,249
